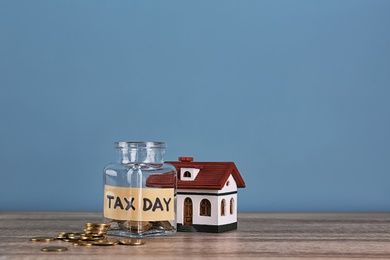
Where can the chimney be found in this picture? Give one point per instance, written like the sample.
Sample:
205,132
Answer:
186,159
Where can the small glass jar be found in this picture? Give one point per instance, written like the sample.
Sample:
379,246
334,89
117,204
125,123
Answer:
140,191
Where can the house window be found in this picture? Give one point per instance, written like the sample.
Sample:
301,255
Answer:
231,206
223,205
187,174
205,208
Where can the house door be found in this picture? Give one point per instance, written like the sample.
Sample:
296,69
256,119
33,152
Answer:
187,212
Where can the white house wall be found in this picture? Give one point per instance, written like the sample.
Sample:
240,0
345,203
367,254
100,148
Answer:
227,218
179,208
204,220
215,218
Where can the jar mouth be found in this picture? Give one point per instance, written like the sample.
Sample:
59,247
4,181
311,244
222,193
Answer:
140,145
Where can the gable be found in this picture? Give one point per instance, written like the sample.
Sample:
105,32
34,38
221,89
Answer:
230,185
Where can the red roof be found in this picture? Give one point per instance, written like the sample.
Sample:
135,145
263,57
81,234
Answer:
212,175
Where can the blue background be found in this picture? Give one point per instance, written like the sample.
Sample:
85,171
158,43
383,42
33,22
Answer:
296,93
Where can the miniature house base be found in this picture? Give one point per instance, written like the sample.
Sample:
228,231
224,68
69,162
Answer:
207,195
207,228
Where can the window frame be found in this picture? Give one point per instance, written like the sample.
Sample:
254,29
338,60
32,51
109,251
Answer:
205,208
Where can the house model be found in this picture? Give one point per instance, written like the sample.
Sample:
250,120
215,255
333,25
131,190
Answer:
207,195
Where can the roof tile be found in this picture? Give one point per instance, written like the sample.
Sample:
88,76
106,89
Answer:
212,175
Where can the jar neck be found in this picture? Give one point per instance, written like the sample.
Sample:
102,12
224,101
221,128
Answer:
140,152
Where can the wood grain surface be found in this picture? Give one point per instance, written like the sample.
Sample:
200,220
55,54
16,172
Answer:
259,235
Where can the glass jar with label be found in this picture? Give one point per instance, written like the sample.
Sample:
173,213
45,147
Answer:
140,191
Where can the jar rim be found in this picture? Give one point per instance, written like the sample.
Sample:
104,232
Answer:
137,145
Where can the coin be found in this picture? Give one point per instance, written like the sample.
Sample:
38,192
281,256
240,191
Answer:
96,229
163,225
99,225
62,235
82,243
66,235
132,242
98,237
93,233
137,225
96,224
54,249
75,237
105,243
42,239
92,238
98,233
72,234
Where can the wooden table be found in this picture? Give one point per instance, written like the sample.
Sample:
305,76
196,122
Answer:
259,235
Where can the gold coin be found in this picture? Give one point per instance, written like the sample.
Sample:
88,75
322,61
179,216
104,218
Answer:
86,232
87,238
54,249
69,234
97,225
147,227
165,224
84,237
75,237
42,239
132,242
62,235
98,237
105,243
93,235
82,243
137,223
162,225
99,240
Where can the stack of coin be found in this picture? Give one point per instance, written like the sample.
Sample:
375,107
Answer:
94,234
96,229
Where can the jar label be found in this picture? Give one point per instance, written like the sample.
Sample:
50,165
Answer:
146,204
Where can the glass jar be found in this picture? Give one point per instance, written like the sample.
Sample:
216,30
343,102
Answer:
140,191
